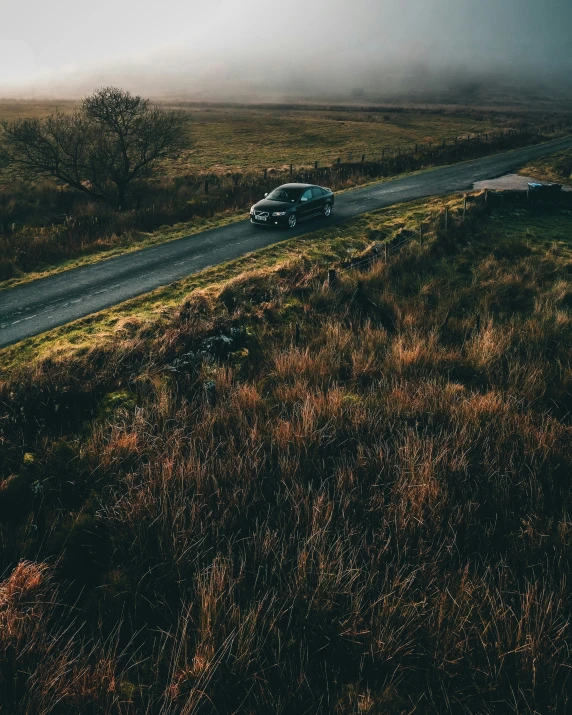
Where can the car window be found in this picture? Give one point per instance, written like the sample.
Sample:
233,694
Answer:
307,195
317,192
284,194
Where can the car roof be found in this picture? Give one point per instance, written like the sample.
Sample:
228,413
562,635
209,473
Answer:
296,186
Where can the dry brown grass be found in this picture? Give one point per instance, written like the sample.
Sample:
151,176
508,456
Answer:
374,520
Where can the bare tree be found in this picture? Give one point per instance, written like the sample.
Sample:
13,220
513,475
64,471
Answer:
112,141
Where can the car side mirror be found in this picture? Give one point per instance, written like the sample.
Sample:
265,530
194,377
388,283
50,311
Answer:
266,194
304,198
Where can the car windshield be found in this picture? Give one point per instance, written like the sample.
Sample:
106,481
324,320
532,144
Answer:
282,194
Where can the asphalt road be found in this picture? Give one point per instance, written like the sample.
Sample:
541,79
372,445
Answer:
41,305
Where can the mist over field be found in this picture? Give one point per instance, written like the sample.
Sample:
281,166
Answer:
227,50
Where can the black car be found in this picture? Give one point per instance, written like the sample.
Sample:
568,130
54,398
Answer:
290,203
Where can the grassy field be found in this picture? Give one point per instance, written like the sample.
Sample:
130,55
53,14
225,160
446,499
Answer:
18,109
243,139
247,139
251,139
205,510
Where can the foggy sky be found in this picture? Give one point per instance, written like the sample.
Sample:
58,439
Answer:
215,46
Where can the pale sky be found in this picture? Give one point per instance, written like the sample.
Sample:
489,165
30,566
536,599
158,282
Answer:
64,42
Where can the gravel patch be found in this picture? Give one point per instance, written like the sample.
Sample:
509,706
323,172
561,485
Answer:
510,182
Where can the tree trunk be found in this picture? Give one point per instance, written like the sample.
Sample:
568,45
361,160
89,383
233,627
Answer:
121,193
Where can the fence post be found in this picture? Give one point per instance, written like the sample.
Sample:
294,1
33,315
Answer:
290,170
210,392
362,158
464,208
385,252
447,316
265,170
332,278
447,219
297,334
206,186
421,234
315,165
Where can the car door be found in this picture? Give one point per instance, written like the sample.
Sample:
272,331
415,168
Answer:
319,200
306,204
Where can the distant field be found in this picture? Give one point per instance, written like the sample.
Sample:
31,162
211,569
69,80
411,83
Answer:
15,109
245,139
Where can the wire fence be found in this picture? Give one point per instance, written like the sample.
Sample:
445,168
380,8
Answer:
446,222
447,148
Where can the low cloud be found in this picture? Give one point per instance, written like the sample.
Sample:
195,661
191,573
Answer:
255,50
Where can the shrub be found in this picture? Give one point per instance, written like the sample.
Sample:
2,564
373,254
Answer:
7,269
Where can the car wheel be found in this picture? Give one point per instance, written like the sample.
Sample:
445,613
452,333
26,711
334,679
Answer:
292,220
327,210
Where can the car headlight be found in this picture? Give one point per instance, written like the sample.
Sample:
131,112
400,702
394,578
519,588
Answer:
252,209
279,213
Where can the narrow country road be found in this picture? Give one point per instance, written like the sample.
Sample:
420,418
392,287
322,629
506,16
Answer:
44,304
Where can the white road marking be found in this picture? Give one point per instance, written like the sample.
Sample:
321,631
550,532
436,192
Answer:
29,317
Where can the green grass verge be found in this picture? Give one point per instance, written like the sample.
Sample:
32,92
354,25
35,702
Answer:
556,168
